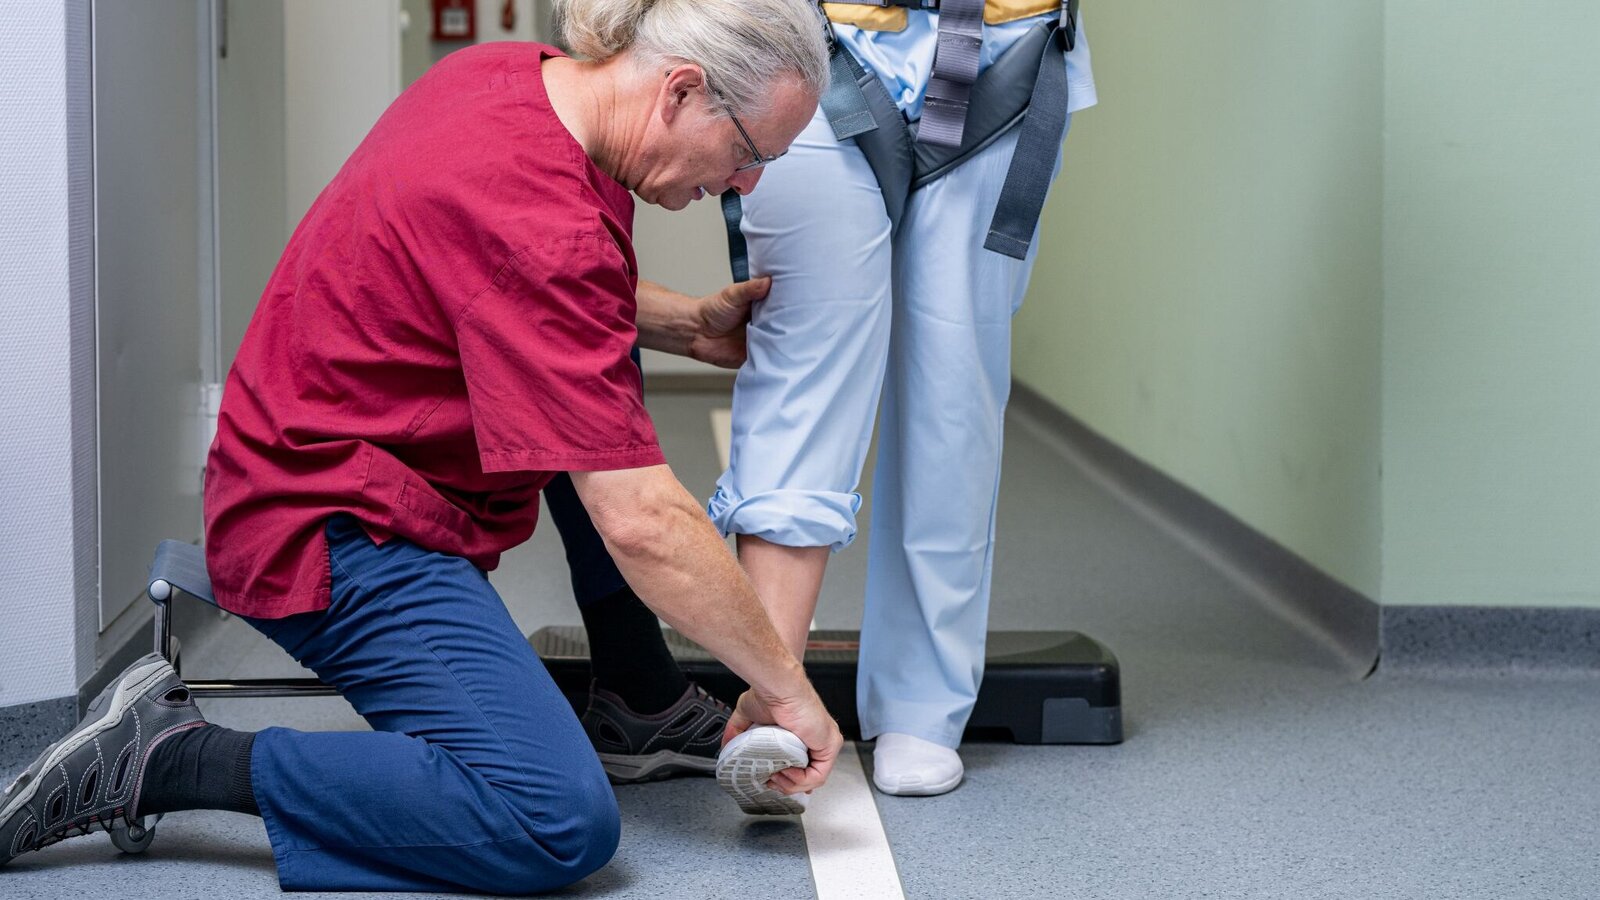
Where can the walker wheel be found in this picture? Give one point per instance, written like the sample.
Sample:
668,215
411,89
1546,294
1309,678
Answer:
134,838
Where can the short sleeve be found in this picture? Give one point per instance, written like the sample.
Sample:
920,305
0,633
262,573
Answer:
545,351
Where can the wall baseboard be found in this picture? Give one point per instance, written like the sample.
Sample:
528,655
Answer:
1491,639
1340,618
135,645
28,728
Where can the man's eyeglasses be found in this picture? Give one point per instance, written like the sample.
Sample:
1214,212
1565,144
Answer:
756,159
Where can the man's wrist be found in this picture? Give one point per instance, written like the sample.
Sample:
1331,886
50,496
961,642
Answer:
684,321
786,686
667,319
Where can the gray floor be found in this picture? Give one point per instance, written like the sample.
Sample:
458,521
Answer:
1253,766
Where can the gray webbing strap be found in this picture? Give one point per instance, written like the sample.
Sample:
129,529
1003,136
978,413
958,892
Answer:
184,567
887,148
1016,216
955,67
901,166
843,102
1000,100
1069,24
738,253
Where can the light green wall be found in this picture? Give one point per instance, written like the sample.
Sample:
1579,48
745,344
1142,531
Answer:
1278,202
1208,287
1492,320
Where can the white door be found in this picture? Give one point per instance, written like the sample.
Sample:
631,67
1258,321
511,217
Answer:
152,263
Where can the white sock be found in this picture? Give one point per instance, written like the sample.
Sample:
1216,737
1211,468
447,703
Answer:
911,766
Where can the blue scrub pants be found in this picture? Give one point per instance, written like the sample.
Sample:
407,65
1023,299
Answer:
477,775
922,318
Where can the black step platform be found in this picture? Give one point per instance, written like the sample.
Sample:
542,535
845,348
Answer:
1040,687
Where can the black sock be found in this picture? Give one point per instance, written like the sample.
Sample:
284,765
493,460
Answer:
630,657
201,768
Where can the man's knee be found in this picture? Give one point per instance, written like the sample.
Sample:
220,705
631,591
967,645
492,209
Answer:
599,824
576,834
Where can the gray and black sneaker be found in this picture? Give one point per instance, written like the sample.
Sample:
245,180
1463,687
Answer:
681,740
92,777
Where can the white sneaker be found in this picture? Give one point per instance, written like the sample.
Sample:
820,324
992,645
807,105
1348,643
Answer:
912,767
750,759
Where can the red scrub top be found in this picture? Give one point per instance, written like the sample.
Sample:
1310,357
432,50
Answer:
448,327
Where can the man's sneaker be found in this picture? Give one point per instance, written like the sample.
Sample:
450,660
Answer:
750,759
94,774
681,740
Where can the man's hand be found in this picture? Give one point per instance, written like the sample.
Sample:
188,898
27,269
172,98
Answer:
710,329
808,720
675,559
720,320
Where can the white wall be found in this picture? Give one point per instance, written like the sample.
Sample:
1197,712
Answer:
522,29
342,69
251,169
47,464
686,251
154,284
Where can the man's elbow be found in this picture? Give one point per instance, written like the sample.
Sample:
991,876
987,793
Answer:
639,529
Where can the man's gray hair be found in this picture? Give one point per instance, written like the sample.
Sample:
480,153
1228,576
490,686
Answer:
743,46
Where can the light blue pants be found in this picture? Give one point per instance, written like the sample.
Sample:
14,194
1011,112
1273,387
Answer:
924,320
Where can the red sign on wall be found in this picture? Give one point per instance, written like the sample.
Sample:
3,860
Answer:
454,20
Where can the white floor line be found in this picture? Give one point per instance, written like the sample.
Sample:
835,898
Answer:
850,856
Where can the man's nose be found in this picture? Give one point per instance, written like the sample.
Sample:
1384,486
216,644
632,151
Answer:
745,182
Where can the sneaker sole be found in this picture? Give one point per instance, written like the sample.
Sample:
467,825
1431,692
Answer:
105,711
750,759
624,768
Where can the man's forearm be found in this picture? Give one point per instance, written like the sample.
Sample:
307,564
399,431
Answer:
665,319
673,558
694,583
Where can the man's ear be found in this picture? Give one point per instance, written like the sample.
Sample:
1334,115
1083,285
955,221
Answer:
680,88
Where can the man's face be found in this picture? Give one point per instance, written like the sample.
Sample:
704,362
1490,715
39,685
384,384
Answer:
693,147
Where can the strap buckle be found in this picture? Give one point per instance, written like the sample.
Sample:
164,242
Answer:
1067,29
827,27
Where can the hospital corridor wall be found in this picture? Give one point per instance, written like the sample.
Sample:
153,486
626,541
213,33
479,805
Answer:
1332,268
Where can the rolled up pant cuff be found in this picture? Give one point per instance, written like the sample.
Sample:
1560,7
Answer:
791,518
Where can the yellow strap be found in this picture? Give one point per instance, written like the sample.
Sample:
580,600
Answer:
893,18
867,18
999,12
